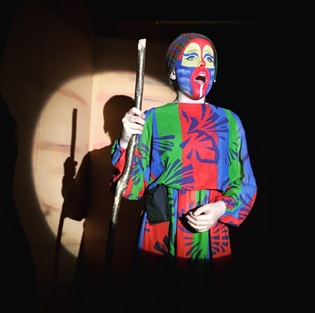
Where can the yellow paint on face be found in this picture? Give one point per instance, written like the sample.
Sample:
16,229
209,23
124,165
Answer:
196,53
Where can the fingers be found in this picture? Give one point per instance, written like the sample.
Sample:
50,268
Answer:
134,115
132,122
201,222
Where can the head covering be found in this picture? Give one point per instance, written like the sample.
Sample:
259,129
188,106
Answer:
177,45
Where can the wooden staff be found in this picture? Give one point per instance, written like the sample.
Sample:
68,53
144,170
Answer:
123,180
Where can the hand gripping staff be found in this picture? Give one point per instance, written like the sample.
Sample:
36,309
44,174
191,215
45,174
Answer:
123,180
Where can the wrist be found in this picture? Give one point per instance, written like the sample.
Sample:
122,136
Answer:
123,143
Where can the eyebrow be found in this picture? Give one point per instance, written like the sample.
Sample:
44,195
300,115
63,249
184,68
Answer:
190,53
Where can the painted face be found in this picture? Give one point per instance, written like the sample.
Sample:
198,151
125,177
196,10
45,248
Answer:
195,68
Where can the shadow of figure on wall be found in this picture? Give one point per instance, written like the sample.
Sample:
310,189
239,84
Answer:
87,196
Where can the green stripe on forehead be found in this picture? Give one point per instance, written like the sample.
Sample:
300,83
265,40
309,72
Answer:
177,45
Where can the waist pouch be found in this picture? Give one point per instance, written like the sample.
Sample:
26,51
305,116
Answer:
156,205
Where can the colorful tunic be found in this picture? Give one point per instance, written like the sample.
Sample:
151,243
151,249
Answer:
199,151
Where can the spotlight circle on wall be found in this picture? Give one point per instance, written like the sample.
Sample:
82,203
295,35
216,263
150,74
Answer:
52,139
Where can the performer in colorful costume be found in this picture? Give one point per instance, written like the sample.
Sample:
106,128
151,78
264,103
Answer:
195,154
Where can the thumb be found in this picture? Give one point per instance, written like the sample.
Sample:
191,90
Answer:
201,210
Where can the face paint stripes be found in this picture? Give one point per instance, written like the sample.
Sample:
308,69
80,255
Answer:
178,44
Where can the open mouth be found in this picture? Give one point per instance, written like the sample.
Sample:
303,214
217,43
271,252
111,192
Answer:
201,79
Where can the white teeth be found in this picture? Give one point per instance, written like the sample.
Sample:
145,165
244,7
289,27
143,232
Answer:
201,75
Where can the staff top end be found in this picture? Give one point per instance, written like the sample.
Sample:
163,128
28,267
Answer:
142,43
